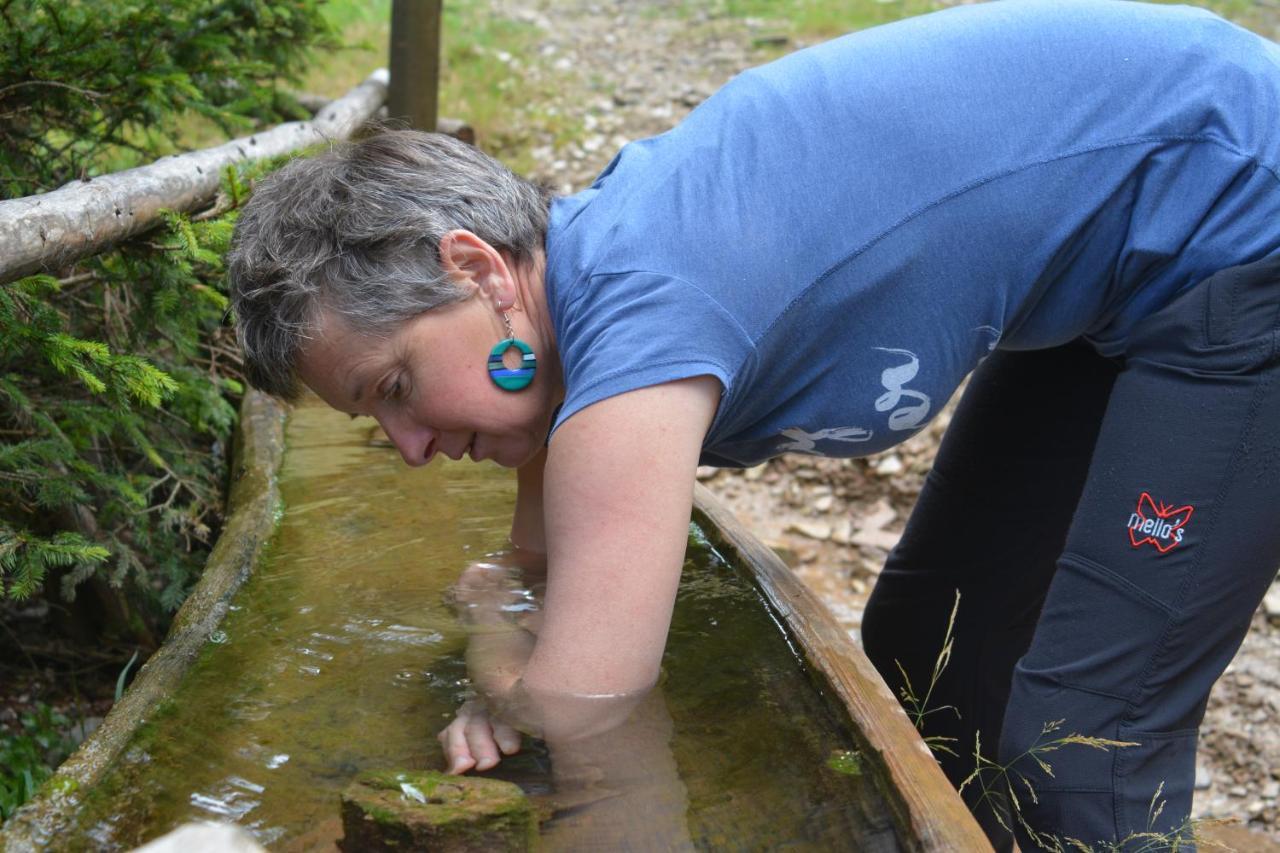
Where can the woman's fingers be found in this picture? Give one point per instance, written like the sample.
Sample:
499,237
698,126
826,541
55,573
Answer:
457,753
508,738
480,741
473,740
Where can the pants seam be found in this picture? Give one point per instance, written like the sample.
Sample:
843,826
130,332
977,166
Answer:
1231,306
1229,475
1082,689
1193,570
1175,734
1082,562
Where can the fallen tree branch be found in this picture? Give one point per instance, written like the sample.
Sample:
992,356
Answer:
456,128
49,231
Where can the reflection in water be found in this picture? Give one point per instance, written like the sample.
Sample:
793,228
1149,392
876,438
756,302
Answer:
342,655
616,782
231,799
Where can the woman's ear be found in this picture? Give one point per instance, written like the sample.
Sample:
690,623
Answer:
467,258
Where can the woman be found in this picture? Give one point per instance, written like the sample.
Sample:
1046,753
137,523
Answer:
1081,196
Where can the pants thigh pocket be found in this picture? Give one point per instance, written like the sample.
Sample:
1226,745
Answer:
1154,783
1097,631
1222,325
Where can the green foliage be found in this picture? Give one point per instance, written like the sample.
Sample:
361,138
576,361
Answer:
114,415
118,376
1004,786
28,757
918,707
92,86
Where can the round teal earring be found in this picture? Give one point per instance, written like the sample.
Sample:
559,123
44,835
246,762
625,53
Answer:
503,376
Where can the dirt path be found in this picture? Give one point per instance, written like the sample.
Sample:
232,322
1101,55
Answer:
633,69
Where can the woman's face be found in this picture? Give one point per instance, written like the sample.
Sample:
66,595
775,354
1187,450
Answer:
428,384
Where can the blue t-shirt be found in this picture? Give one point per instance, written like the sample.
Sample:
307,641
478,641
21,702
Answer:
840,236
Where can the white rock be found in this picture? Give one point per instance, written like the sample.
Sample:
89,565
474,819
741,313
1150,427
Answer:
823,503
880,515
889,465
882,539
811,529
754,473
1271,603
1203,778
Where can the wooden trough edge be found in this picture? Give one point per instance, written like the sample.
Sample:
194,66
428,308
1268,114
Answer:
929,814
48,231
253,512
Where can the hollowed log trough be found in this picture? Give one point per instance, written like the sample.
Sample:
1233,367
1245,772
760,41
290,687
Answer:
927,812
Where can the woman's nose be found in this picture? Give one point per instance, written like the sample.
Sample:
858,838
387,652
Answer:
416,444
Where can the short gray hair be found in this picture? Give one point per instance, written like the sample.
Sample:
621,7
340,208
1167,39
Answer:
356,231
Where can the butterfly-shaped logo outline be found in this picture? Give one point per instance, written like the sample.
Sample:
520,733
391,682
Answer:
1175,518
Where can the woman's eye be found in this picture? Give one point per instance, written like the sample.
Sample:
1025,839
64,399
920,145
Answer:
394,391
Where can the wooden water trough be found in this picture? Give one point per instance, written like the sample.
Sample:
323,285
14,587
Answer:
926,812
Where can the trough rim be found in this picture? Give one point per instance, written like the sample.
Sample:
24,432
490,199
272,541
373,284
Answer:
928,813
253,513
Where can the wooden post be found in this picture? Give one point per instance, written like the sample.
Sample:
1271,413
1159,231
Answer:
415,63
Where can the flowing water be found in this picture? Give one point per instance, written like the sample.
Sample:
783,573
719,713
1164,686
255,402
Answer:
341,655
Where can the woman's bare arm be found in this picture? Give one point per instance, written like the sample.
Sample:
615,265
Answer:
527,529
618,493
618,490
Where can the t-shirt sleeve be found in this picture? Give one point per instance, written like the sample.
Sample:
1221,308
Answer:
630,330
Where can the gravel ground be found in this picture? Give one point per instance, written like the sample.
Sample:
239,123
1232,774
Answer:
633,69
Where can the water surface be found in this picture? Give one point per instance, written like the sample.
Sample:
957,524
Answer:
341,654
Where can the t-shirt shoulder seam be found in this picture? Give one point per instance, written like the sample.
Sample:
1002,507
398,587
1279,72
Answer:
653,365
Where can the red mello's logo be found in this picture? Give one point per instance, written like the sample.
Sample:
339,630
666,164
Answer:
1160,525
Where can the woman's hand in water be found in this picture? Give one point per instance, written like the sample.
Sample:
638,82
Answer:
506,588
474,740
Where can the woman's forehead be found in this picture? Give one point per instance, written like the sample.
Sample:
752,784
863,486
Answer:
335,360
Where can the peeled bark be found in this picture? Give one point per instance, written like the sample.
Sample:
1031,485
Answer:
49,231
